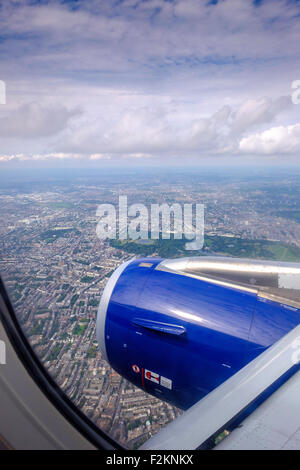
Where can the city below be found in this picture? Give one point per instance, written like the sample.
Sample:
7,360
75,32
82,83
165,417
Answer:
55,267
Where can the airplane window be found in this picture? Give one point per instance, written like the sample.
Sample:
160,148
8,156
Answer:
55,268
139,152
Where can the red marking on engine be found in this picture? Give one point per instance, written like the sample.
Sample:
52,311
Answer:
143,385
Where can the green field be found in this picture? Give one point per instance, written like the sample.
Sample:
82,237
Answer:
86,279
290,214
60,205
49,236
79,329
227,246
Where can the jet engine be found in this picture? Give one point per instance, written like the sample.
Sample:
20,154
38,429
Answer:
179,328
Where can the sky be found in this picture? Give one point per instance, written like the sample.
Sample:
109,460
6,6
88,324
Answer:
149,81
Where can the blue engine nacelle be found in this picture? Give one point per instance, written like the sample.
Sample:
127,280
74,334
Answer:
177,333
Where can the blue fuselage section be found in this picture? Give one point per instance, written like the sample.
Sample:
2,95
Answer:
178,337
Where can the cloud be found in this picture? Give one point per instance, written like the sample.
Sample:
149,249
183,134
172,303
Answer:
156,129
34,120
99,156
277,140
256,112
129,36
67,156
153,78
40,157
160,131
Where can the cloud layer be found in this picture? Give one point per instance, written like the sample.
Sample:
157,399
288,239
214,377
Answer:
148,79
33,120
277,140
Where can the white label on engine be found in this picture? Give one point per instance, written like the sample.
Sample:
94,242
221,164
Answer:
152,376
166,382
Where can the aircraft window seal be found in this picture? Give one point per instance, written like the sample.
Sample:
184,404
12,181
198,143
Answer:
46,383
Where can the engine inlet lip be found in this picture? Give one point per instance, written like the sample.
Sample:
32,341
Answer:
102,310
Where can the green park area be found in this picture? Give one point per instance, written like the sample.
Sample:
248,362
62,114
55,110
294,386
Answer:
213,245
49,236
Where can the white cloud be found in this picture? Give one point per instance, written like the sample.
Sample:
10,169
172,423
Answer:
40,157
153,78
34,120
133,36
153,127
256,112
277,140
164,131
99,156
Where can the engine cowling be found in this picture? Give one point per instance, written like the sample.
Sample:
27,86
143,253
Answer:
178,335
